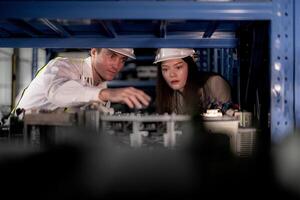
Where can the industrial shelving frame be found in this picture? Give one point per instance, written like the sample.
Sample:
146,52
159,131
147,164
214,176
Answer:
284,44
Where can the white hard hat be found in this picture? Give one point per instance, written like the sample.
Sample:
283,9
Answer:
172,53
129,52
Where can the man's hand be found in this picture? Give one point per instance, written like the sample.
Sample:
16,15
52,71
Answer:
134,98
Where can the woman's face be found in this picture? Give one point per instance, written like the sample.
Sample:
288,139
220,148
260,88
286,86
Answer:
175,72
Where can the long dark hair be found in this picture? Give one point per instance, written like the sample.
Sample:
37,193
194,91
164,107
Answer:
165,102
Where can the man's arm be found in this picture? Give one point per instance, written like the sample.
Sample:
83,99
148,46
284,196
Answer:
134,98
66,89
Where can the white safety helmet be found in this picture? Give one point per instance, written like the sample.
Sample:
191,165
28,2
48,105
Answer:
129,52
172,53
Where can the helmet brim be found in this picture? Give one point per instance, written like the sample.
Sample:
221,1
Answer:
124,53
170,58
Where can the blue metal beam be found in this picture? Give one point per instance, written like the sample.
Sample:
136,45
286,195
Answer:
115,10
109,29
4,33
25,27
163,29
57,28
120,83
34,64
297,65
116,42
210,29
282,70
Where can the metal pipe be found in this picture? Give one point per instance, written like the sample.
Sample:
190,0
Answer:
14,66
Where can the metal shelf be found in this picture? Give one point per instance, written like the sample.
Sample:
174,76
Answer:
132,83
115,10
142,24
82,24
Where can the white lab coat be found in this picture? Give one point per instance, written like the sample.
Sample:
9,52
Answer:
64,82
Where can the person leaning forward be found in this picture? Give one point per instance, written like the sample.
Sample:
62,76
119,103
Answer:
69,82
183,89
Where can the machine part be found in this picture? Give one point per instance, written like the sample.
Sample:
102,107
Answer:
54,119
246,142
138,130
223,125
245,119
170,136
92,120
213,113
136,138
4,131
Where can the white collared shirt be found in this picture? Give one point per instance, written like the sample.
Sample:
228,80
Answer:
64,82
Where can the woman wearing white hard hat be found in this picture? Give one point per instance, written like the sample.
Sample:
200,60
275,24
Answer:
182,89
69,82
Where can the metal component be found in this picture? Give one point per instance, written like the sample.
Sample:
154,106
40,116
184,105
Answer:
170,135
146,42
92,120
132,83
15,59
282,94
34,62
136,137
51,119
223,125
137,128
56,27
246,144
280,13
109,28
110,10
163,29
245,119
297,66
210,29
25,27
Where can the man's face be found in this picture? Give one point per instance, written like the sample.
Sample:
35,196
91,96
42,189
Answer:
106,63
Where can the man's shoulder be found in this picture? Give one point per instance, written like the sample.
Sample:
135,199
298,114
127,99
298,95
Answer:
216,77
211,76
67,59
208,78
66,62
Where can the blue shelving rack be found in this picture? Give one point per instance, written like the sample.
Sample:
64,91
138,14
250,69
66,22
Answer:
177,23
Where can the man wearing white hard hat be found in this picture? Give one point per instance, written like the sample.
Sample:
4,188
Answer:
182,89
69,82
